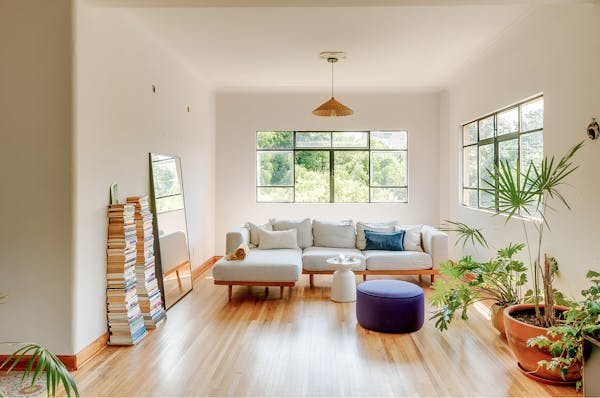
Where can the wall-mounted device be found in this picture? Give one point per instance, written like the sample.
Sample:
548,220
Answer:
593,129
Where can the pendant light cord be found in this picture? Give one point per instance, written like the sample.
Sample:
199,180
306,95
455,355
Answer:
332,79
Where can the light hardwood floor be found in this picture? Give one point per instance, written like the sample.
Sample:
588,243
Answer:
302,345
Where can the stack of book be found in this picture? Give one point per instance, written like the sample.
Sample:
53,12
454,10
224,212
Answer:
125,320
148,291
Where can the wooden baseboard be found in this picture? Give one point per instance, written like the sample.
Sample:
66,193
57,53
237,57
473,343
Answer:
71,362
196,272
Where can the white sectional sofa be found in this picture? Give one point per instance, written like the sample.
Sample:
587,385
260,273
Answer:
317,241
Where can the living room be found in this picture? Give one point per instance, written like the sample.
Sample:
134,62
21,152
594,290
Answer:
90,87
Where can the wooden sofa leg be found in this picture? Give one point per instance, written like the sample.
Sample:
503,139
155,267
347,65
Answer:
311,280
280,292
432,278
230,291
364,277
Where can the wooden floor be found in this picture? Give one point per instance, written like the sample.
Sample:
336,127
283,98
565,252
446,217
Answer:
303,345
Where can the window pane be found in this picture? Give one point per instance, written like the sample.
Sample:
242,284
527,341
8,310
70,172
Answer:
166,181
350,139
470,133
486,200
274,140
508,121
486,128
312,176
389,195
532,115
169,203
470,166
313,140
470,197
486,164
509,151
388,139
274,168
351,176
388,168
269,194
532,149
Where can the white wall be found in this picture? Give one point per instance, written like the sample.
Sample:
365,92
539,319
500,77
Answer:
35,170
555,50
241,114
120,120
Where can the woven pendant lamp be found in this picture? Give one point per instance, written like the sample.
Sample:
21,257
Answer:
332,107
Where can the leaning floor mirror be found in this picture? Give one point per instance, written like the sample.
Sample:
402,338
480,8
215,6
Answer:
170,227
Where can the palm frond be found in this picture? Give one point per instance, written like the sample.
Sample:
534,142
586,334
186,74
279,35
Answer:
42,360
464,232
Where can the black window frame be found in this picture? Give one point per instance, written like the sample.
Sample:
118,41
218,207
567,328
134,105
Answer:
495,140
331,152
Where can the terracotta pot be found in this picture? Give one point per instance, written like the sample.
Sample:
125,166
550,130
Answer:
517,334
497,313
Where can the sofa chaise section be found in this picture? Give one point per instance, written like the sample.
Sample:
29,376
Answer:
275,267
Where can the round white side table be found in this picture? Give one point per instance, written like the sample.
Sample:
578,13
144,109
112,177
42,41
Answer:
343,288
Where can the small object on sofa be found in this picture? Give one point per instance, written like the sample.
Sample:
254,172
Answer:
239,254
392,241
390,306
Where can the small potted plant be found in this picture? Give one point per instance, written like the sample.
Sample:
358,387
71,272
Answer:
565,341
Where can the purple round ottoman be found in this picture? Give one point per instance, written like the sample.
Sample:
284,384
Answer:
390,306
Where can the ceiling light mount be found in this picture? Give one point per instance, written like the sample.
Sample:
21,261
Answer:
332,107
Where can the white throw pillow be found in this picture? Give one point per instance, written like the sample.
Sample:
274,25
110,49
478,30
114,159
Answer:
412,237
304,227
361,241
334,233
254,232
278,239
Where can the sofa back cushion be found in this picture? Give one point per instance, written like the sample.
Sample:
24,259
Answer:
361,242
303,228
287,239
254,232
412,237
334,233
393,241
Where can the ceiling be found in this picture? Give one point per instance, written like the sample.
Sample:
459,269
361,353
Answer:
391,45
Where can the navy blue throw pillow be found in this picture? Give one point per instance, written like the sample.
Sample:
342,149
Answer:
393,241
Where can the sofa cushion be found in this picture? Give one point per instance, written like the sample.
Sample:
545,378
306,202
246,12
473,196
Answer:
315,258
412,237
278,239
304,228
254,232
393,241
383,260
334,233
276,265
361,241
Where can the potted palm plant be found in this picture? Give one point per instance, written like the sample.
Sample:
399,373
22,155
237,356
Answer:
40,361
527,194
566,341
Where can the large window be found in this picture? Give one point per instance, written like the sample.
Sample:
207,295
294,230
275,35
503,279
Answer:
514,134
331,166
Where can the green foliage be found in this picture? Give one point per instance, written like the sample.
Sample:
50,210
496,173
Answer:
566,340
274,140
526,193
312,176
465,233
500,280
42,360
351,176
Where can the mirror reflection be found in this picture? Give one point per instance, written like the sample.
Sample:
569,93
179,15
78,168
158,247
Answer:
170,229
